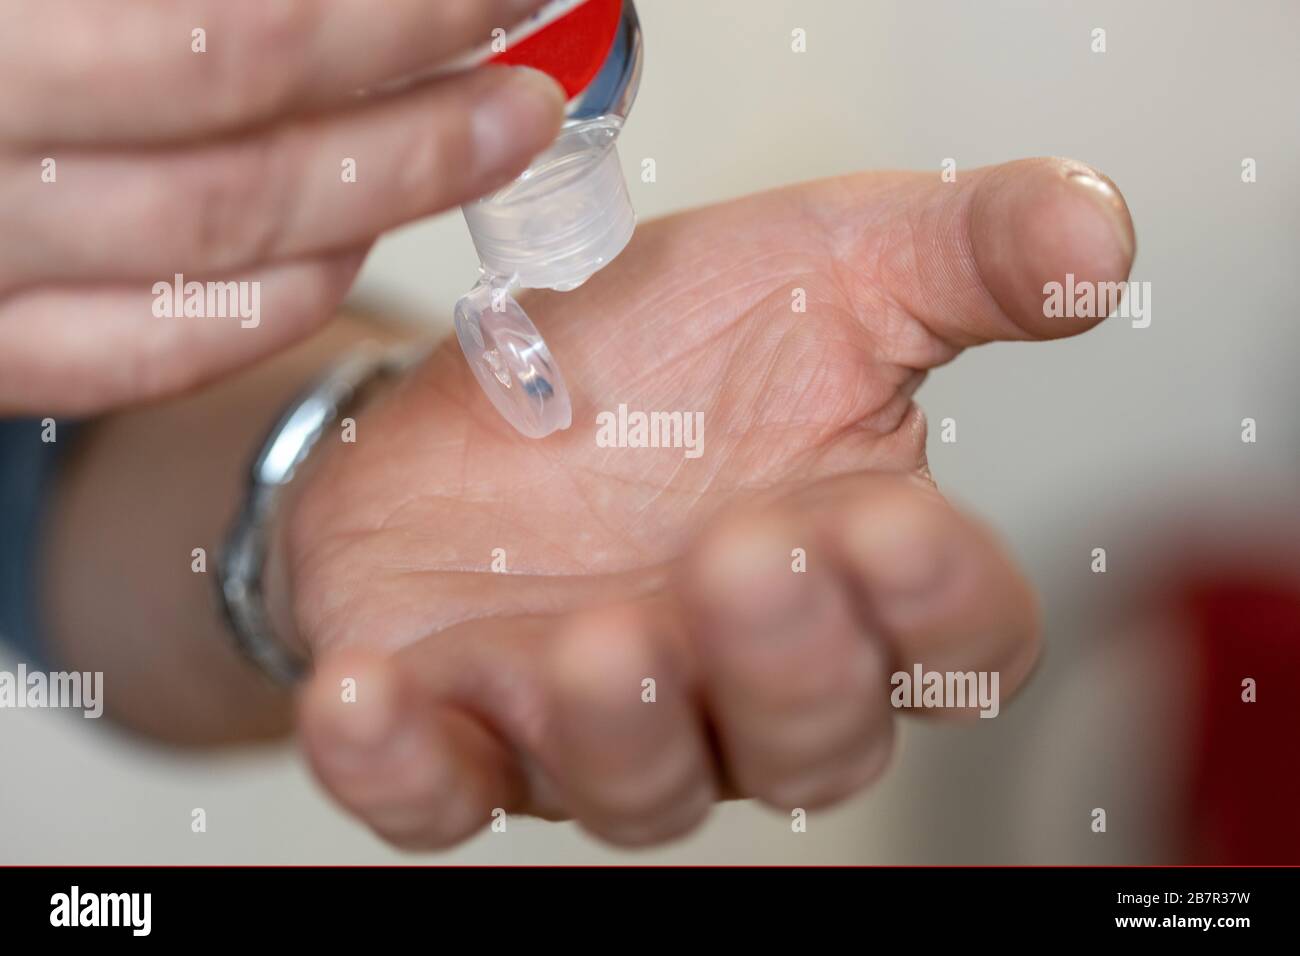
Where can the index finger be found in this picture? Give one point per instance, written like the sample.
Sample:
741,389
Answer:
72,71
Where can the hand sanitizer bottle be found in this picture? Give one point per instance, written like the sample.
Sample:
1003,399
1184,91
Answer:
564,218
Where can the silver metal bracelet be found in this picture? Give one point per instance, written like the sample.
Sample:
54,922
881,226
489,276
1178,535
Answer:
287,446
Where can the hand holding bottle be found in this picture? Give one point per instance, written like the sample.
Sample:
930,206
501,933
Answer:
214,140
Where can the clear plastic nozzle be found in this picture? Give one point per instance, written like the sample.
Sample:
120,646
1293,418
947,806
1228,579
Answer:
567,216
511,361
553,227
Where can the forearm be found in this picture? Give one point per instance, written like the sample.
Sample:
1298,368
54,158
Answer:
140,492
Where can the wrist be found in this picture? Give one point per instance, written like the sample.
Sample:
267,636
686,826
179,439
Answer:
261,559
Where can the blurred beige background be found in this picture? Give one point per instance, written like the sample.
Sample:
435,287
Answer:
1064,447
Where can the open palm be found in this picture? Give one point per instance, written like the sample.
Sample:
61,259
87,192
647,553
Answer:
670,629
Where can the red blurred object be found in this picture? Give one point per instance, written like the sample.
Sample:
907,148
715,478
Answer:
573,48
1244,803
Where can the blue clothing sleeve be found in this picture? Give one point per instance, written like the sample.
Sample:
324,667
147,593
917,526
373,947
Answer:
28,464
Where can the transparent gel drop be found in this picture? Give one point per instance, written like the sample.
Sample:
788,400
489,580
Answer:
510,359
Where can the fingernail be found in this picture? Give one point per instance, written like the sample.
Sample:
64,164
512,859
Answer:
1106,195
513,119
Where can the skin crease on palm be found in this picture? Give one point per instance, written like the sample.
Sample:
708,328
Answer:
523,691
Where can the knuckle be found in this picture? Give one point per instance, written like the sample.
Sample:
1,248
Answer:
605,645
234,219
261,72
906,503
743,553
433,157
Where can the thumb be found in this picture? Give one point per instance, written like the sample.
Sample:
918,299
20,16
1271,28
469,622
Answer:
976,254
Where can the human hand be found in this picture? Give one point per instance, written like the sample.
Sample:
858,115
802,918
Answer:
523,691
224,165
